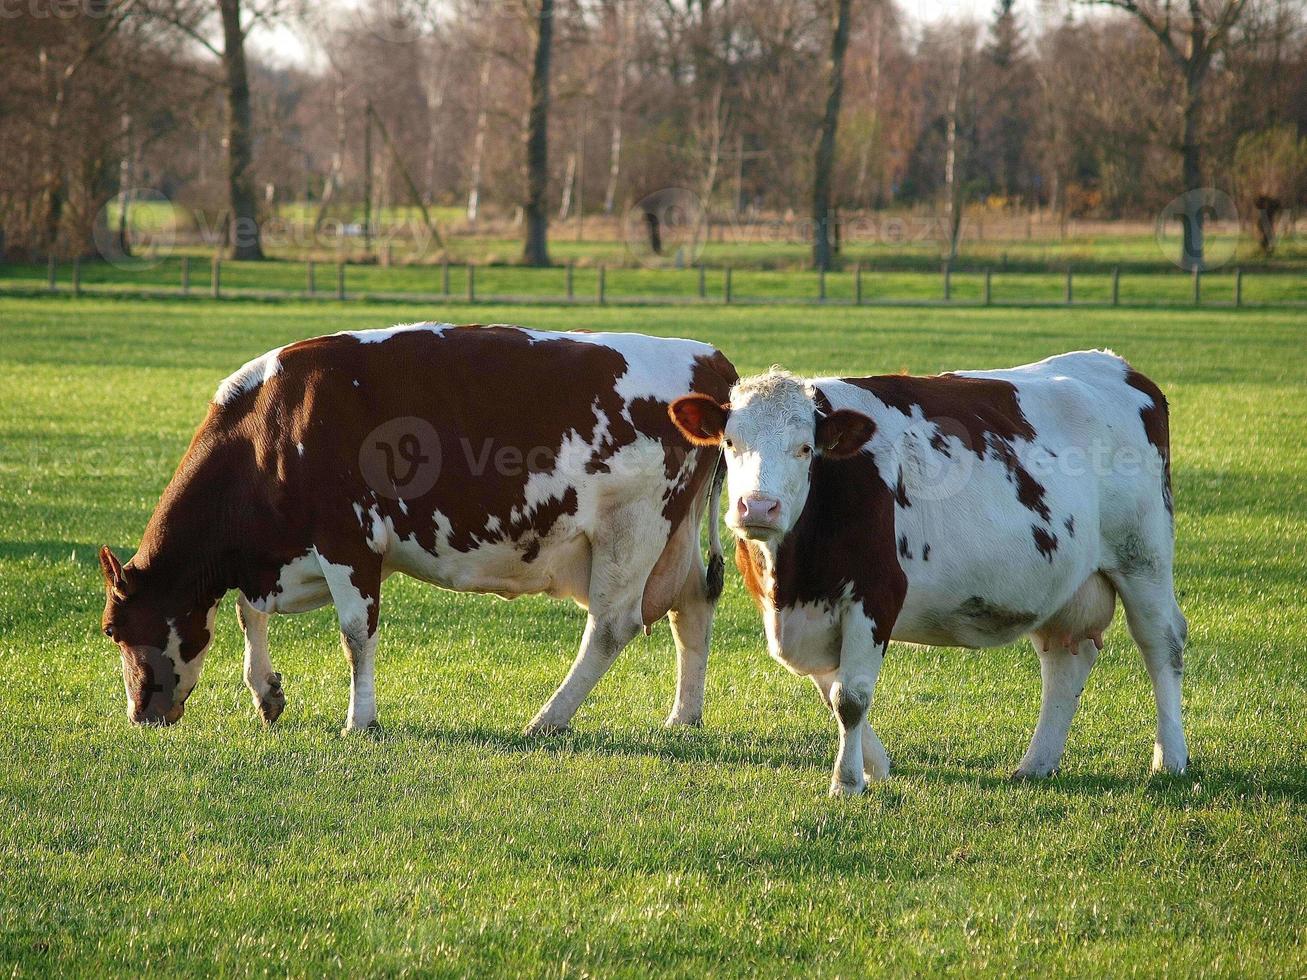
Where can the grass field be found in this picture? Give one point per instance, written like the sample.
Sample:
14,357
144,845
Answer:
452,845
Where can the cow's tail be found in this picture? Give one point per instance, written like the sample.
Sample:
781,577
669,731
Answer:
716,563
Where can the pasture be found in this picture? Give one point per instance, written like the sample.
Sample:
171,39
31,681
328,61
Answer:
451,844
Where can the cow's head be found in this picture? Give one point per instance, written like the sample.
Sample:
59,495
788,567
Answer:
770,433
161,633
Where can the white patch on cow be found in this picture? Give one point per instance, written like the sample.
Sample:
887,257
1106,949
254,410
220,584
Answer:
356,382
299,447
380,336
403,505
300,588
249,376
351,605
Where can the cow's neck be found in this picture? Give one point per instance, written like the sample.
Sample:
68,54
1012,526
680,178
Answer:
196,541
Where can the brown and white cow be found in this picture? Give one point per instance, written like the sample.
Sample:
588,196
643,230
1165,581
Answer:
965,510
481,459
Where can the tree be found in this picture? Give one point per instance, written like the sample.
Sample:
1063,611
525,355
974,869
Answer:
246,240
1190,49
536,211
821,180
1270,171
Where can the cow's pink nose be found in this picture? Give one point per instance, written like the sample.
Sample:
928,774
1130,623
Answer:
756,509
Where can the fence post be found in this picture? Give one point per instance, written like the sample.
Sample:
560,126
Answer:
948,282
186,275
571,291
340,280
49,281
821,284
444,275
77,275
726,286
703,284
215,277
1070,288
1198,288
600,287
471,282
988,291
1116,285
1238,287
311,278
857,284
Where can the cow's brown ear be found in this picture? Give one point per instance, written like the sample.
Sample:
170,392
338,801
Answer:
842,433
115,576
700,418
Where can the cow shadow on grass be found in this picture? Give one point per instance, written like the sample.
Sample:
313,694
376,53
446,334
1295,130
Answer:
1203,781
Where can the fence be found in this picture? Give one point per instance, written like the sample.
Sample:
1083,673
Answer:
860,286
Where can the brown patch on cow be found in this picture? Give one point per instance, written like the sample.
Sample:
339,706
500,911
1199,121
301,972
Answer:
925,552
1045,542
1070,525
904,550
983,413
843,539
750,565
1157,426
901,492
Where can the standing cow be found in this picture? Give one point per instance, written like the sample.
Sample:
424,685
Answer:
481,459
965,510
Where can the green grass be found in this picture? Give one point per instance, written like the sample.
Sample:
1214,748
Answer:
1150,287
453,845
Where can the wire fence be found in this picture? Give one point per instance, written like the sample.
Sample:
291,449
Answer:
596,285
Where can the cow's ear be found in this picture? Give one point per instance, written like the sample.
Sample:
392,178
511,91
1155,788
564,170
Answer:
842,433
700,419
115,576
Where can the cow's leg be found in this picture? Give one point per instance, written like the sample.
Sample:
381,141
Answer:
264,682
850,697
1063,674
1159,628
620,565
356,592
691,619
607,632
875,760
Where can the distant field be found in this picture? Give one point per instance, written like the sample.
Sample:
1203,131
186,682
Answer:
452,845
1154,286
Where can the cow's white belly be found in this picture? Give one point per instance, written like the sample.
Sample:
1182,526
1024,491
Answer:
561,567
805,638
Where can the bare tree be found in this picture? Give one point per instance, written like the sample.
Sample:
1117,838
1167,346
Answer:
536,211
825,163
1190,48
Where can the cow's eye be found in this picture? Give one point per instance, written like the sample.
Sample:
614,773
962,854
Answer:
805,451
108,631
728,444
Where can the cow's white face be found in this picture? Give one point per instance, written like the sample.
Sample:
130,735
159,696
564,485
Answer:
769,433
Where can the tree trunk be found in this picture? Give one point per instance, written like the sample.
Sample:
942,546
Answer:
479,144
952,204
1191,157
245,238
619,99
821,181
536,249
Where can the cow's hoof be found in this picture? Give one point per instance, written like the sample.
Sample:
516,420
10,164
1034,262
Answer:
684,721
273,702
540,728
840,788
353,728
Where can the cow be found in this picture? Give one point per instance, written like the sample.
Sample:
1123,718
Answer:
966,509
492,459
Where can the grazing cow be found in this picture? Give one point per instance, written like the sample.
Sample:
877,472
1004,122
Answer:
966,510
480,459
